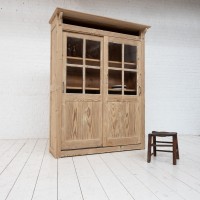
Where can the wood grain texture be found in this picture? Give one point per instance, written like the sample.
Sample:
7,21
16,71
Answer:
122,123
94,19
107,149
142,84
82,125
53,91
97,32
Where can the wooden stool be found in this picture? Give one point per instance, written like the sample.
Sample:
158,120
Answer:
173,144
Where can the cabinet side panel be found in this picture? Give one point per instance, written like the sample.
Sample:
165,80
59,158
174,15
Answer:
141,82
53,94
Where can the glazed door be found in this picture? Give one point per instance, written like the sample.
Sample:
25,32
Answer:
82,91
122,107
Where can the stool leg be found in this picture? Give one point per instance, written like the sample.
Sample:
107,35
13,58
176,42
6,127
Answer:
177,150
174,150
149,149
154,145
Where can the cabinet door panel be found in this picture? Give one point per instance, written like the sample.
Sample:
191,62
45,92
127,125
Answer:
122,123
82,94
122,99
82,124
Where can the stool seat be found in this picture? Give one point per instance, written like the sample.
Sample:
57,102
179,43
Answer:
163,134
173,144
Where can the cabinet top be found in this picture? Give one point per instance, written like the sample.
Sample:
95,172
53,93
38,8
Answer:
83,18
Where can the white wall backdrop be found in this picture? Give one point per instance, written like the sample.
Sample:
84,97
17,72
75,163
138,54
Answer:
172,61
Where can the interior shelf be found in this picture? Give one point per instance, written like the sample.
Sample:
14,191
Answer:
90,59
92,67
80,58
88,88
117,62
78,88
129,63
75,58
74,88
115,68
74,65
119,89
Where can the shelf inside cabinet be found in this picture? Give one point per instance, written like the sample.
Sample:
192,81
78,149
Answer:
115,64
129,65
119,89
74,88
92,62
77,90
114,68
88,88
74,60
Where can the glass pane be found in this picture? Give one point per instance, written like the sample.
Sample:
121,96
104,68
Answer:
114,82
93,49
130,54
74,80
130,83
74,47
115,52
92,85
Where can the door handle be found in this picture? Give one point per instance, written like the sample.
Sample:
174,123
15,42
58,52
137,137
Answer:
139,90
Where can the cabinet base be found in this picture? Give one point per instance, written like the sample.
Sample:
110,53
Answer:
79,152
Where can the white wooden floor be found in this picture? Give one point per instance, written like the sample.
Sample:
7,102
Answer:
28,171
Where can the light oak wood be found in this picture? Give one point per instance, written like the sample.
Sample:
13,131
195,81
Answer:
88,151
103,21
97,32
82,127
87,114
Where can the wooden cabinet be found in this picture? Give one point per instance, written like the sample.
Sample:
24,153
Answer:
97,84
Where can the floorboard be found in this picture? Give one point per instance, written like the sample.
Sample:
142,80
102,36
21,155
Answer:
46,184
68,183
89,183
9,153
13,170
136,188
112,186
24,186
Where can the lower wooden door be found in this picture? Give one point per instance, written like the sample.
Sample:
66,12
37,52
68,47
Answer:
82,124
122,123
